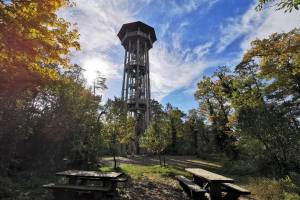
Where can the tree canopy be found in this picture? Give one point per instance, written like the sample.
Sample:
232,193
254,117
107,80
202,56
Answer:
258,102
34,43
286,5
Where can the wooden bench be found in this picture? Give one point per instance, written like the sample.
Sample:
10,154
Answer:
70,192
192,189
111,182
234,191
121,180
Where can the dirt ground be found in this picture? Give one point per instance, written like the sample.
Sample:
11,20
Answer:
146,188
149,187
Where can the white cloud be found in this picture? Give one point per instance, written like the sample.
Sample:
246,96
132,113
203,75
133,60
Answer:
98,22
171,70
187,6
171,66
203,49
107,69
164,28
275,21
252,25
239,26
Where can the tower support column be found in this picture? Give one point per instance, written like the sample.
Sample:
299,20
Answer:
137,39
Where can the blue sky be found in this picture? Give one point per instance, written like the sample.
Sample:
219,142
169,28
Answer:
193,38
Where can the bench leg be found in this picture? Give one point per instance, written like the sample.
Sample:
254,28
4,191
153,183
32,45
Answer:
113,186
215,191
232,196
198,181
198,196
63,195
99,195
185,188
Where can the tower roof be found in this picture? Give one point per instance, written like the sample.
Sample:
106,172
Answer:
133,26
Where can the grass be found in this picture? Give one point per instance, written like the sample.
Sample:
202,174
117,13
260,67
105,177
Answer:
261,187
136,171
272,189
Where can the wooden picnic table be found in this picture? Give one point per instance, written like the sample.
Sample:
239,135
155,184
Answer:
91,184
80,177
206,178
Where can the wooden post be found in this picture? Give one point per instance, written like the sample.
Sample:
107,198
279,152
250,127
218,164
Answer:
124,74
198,181
215,191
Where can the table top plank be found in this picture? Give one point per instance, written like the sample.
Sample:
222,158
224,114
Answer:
209,176
89,174
76,187
236,187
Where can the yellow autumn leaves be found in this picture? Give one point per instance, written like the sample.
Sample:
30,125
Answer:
34,42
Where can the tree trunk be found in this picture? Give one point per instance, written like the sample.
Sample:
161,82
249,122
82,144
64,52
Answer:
195,132
115,160
174,137
164,160
159,159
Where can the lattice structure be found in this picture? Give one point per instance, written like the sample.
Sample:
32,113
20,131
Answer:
137,38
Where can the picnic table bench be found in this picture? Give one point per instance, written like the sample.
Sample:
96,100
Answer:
192,189
234,191
212,183
71,192
92,183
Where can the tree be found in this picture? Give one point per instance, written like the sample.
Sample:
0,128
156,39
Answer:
279,61
196,131
156,138
267,96
248,87
99,83
213,94
34,43
286,5
118,126
157,111
175,119
59,120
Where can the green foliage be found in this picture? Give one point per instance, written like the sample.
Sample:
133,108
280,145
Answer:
118,127
156,138
254,111
286,5
138,171
40,128
174,117
213,94
195,138
270,73
278,142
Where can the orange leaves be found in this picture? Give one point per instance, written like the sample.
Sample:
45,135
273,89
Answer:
32,37
279,63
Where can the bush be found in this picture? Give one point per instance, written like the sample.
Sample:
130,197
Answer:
266,189
272,189
240,167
